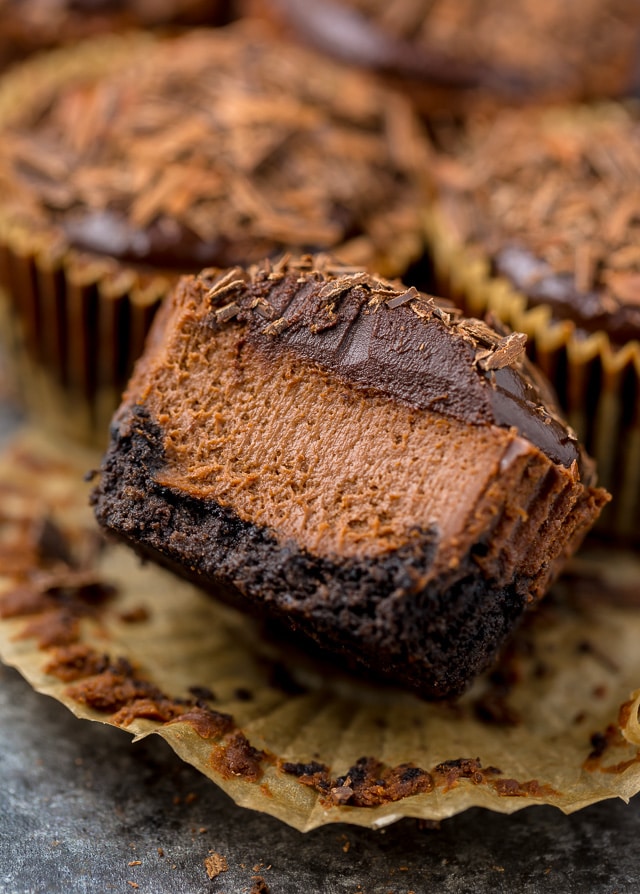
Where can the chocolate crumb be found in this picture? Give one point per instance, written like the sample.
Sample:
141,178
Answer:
236,757
202,692
313,774
134,615
76,661
215,864
243,695
369,783
448,773
207,724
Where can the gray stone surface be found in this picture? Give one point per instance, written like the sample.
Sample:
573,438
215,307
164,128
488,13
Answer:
79,802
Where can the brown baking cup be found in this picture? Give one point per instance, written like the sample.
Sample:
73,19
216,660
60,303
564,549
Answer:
597,379
78,315
556,722
74,327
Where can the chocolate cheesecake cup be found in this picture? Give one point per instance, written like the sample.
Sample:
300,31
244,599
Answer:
351,458
452,54
127,161
537,220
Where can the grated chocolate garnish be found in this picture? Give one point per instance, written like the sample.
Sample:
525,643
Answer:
507,352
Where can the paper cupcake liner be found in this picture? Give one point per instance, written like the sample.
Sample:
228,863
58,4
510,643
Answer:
73,324
73,328
598,383
130,645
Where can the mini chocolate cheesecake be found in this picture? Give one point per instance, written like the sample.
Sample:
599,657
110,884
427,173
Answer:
552,199
351,458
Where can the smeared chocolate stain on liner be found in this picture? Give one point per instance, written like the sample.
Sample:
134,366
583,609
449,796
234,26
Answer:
603,742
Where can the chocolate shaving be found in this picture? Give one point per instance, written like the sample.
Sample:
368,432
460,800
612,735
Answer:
276,327
480,332
507,352
228,312
404,298
336,288
263,308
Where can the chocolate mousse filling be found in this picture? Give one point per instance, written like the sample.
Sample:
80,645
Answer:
348,457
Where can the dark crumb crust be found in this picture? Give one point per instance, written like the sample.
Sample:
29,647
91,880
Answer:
376,617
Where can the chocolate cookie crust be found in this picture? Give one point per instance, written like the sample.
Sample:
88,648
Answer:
260,454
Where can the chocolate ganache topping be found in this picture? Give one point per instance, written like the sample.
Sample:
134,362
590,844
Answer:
552,198
214,149
380,336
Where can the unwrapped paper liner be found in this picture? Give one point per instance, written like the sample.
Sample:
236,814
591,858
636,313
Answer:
130,645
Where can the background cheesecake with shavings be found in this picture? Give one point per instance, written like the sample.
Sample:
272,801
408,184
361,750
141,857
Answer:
127,161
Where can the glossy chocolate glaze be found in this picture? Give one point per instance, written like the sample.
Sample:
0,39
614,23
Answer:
591,311
165,244
169,244
413,351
